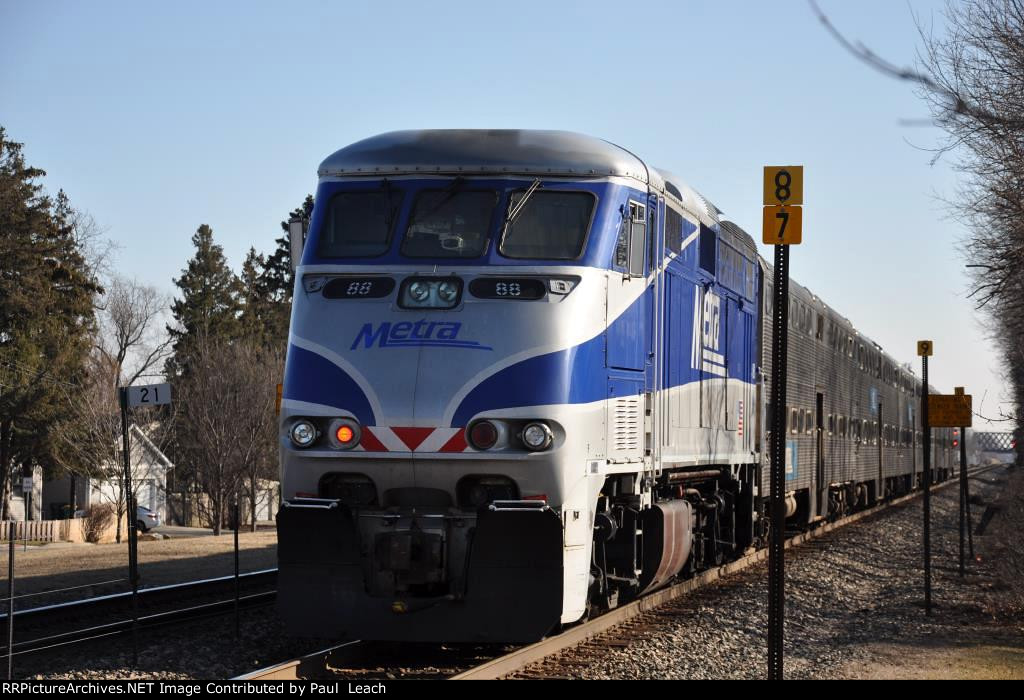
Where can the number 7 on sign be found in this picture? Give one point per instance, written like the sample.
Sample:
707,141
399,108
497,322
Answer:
782,225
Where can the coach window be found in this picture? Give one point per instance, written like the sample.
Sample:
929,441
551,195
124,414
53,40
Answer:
831,423
449,223
842,426
708,249
359,224
794,420
550,225
808,421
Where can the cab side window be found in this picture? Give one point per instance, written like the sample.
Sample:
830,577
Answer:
637,234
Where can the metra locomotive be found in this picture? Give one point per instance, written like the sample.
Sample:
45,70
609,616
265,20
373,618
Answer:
526,379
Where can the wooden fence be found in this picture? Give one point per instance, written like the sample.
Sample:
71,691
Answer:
67,530
34,530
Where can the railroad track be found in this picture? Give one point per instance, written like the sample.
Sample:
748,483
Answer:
58,626
350,658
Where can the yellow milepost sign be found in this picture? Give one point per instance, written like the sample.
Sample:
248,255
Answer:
949,410
924,348
782,225
784,185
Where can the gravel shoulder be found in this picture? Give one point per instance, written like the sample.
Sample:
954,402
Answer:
97,569
854,607
993,647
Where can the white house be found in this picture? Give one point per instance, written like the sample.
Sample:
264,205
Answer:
149,482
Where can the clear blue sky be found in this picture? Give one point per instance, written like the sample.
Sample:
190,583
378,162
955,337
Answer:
156,118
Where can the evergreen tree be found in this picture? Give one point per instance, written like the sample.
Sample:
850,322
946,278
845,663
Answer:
278,274
210,305
269,281
46,312
257,308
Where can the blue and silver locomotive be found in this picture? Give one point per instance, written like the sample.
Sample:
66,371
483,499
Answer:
525,381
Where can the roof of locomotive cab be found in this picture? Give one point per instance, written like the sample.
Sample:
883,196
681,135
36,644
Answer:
504,152
485,152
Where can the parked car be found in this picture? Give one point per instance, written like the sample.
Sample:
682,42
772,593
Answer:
146,519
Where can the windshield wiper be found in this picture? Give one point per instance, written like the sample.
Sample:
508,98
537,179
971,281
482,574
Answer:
449,193
515,211
390,208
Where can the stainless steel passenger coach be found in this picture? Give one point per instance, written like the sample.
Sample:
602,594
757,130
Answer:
524,382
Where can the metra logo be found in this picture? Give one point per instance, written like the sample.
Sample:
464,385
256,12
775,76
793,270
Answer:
408,334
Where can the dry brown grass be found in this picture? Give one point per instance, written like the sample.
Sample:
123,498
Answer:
161,562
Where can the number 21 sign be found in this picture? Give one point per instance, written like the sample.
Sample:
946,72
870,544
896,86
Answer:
151,395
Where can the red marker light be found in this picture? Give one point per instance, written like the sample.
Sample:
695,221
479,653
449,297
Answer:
483,435
344,434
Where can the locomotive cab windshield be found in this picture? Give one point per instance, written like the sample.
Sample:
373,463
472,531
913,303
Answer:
485,221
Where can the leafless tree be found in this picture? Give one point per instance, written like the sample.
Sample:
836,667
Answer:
972,78
130,343
226,428
132,340
980,61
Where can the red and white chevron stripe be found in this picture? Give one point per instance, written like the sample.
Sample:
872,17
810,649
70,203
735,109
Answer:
382,438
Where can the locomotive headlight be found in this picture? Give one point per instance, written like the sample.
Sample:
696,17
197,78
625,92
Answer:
419,291
447,291
537,436
427,293
302,433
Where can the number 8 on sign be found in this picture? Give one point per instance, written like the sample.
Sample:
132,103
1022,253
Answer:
784,185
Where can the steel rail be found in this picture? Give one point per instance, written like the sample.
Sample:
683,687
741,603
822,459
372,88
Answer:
82,603
33,618
168,617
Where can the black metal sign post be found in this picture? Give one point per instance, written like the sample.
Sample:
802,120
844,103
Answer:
963,493
776,546
130,517
967,510
150,395
782,226
12,531
235,515
924,349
